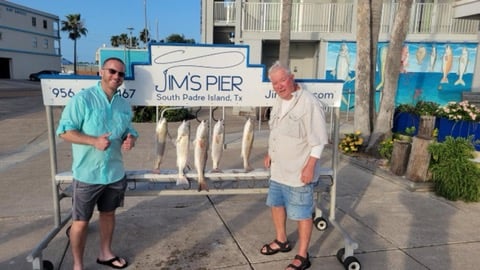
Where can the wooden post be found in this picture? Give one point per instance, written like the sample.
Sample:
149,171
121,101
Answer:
426,127
419,160
400,156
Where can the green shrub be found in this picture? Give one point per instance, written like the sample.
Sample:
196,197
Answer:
148,114
427,108
454,175
408,108
385,148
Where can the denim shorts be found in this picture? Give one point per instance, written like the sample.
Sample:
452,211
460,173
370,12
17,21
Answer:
106,197
298,201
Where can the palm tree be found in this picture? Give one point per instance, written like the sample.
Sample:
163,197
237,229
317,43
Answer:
75,28
123,39
368,27
284,52
392,70
115,41
177,38
144,36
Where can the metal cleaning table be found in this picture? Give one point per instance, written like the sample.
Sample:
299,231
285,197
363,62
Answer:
57,91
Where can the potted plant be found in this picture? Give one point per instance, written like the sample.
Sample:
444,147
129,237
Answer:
426,110
408,115
458,119
403,117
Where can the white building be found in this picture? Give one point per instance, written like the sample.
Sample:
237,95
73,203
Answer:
315,23
29,41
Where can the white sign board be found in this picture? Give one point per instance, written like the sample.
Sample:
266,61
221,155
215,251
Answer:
192,75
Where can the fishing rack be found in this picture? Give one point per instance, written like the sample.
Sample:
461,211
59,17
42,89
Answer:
57,90
228,182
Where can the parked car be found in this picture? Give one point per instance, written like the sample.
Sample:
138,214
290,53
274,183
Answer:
36,76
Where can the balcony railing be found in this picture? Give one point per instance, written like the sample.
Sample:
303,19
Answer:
426,18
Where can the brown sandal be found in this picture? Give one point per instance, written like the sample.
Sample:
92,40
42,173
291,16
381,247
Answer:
282,247
305,263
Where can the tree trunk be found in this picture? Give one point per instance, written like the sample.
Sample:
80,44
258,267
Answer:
363,69
419,160
383,123
400,156
376,20
426,127
284,52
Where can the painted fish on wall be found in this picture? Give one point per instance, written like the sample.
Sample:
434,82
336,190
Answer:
404,59
342,67
420,54
433,58
446,63
462,66
382,60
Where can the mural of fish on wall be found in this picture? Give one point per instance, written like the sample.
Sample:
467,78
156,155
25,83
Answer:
433,71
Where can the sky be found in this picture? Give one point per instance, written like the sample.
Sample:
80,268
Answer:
106,18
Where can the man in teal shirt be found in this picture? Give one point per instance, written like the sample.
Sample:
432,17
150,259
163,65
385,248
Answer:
97,121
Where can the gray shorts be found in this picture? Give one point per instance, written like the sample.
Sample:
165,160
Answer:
106,197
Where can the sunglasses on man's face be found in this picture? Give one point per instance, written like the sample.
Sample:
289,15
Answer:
113,72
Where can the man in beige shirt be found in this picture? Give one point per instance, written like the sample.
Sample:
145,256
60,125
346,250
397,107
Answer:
298,134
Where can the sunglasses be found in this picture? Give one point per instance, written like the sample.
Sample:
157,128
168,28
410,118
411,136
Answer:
113,72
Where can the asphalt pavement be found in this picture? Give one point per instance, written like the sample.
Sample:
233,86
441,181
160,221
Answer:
398,225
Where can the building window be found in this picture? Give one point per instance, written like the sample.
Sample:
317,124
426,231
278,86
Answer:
34,21
45,43
45,25
1,36
34,42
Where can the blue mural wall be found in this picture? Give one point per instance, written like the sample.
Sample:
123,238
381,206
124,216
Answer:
437,72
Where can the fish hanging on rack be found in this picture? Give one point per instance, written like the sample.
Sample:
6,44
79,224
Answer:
161,131
182,145
247,142
218,140
200,151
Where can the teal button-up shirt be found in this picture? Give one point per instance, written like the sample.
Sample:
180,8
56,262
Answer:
91,113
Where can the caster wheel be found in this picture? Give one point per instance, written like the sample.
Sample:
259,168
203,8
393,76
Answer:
340,254
320,223
47,265
351,263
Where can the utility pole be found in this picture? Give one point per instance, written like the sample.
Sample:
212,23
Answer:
130,29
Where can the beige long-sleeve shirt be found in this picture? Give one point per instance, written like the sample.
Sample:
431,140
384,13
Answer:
297,132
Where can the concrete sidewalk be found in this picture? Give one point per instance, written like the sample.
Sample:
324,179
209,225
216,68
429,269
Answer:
394,227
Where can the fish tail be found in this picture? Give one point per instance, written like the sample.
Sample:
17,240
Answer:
182,180
248,168
202,186
444,80
216,170
460,81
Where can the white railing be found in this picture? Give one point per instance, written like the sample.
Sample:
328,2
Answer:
306,17
426,18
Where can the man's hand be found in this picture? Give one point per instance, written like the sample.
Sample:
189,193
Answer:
129,142
102,142
267,161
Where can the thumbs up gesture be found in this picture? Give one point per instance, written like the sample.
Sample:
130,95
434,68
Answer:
129,142
102,142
